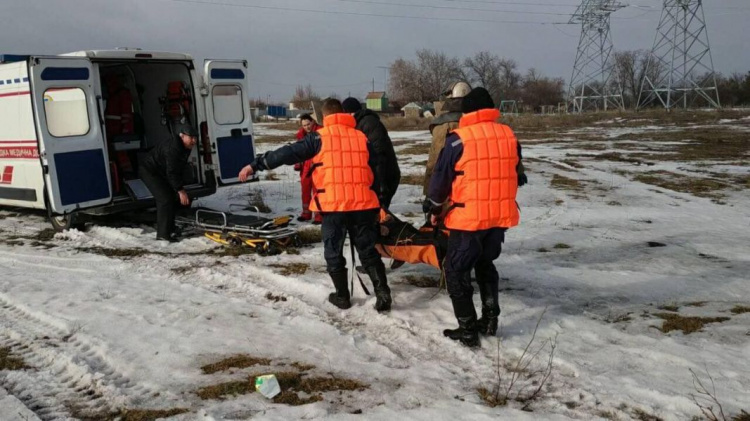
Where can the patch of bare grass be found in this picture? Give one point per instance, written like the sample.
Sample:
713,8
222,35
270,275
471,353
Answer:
256,201
287,269
699,187
412,179
421,281
129,414
310,235
10,362
572,163
235,361
740,309
669,307
223,390
686,324
562,246
416,149
398,123
292,383
561,182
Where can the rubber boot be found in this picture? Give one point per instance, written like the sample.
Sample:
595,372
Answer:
380,283
340,298
487,324
467,319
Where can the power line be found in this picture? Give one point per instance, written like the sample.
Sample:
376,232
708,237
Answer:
468,9
330,12
512,2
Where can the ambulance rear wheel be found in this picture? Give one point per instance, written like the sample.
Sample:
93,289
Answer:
65,222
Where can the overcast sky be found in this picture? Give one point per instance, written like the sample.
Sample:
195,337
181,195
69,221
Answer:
287,43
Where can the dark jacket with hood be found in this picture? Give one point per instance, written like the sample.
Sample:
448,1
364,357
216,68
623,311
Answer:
168,160
386,165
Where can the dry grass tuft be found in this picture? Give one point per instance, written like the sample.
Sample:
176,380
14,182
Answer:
310,235
699,187
256,200
740,310
669,307
130,414
415,149
412,179
221,390
398,123
687,325
642,415
291,268
562,246
564,183
9,362
235,361
421,281
291,383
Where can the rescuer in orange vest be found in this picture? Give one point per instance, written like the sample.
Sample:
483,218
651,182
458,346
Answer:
476,174
345,188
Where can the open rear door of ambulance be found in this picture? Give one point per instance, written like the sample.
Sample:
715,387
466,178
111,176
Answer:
71,145
228,118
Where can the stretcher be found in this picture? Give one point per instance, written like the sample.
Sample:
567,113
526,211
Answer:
263,234
402,242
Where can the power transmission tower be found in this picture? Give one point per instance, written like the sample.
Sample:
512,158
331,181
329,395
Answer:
590,85
680,71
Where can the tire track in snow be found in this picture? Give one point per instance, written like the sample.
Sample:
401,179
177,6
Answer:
68,371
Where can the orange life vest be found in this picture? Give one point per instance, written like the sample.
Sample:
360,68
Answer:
341,173
484,191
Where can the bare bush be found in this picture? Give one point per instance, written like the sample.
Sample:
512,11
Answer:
523,379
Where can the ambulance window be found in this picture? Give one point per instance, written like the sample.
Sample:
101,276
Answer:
66,111
228,106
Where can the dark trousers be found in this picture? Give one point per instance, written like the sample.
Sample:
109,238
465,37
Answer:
166,201
363,228
476,250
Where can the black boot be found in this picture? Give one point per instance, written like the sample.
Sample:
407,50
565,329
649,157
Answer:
340,298
488,291
467,320
380,283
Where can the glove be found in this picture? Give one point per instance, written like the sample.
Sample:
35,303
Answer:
298,166
522,180
426,206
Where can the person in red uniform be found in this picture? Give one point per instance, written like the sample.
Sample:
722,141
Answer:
476,174
305,177
345,193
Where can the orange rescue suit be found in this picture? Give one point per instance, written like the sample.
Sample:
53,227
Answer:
486,183
340,171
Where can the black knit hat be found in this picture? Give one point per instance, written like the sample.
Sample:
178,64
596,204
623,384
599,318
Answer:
351,105
476,100
186,129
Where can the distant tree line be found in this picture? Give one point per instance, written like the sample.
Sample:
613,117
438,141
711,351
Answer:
430,73
424,78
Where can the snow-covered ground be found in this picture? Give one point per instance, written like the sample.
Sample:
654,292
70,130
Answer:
104,333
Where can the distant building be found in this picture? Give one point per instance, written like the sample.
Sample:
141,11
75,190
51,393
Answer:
416,109
377,101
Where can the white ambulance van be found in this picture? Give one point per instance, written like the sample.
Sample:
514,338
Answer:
74,126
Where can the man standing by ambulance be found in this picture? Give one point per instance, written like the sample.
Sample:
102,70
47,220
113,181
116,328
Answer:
477,172
344,193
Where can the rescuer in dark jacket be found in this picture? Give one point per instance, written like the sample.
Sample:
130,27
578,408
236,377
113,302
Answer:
386,165
162,171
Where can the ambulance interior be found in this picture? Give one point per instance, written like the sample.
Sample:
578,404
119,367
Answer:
142,103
